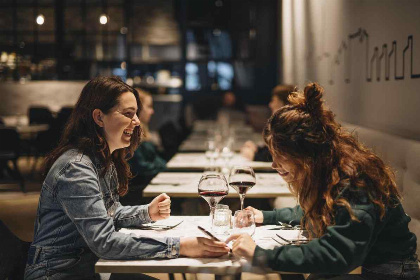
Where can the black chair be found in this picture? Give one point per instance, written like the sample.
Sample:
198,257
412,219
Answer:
171,138
13,254
47,140
40,115
10,151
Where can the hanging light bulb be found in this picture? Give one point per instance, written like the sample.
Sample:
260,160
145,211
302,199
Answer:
103,19
40,19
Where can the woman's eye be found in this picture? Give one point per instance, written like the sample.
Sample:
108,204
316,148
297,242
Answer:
129,115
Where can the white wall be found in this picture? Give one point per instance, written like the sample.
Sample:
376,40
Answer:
16,98
317,47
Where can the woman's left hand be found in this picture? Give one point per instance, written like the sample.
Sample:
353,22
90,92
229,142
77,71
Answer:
160,207
243,245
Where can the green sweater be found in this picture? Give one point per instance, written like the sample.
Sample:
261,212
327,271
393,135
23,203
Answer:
146,161
347,244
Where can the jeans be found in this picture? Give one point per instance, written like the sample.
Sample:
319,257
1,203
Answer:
79,264
393,270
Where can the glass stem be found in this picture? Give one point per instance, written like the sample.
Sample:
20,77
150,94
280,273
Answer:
212,209
242,197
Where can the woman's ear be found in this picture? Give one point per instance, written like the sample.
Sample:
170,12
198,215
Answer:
97,117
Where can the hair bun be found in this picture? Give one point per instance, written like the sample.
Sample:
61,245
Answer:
313,103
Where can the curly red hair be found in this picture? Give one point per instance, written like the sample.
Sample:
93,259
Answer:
327,158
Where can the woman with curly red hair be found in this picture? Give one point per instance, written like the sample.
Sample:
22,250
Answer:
348,200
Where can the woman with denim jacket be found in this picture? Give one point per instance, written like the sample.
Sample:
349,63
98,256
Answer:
349,202
79,213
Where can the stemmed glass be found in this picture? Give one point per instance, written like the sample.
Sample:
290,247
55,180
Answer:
212,151
213,188
242,178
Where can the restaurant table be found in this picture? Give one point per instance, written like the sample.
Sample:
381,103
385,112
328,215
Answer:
184,184
197,142
199,162
29,131
203,126
225,265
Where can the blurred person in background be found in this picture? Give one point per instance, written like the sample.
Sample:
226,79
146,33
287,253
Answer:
279,96
79,213
348,200
146,161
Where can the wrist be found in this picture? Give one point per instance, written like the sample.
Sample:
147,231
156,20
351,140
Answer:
182,244
151,217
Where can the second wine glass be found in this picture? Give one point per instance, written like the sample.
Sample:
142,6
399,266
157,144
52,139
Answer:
242,178
213,188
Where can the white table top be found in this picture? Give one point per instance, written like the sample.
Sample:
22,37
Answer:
184,184
198,161
197,142
226,265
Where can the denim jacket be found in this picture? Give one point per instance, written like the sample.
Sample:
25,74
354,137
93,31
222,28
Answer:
79,212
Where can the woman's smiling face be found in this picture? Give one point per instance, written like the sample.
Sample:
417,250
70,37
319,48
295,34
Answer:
286,168
120,122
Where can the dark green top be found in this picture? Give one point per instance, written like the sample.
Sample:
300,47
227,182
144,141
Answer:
146,161
347,244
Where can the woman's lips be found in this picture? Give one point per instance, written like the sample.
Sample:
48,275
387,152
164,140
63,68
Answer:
284,173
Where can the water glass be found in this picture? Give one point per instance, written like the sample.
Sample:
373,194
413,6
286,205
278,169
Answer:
222,219
244,222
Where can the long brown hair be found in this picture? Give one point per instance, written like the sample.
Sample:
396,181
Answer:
327,159
82,133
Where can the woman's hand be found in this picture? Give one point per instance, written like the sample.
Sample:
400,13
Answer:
160,207
258,215
198,247
243,245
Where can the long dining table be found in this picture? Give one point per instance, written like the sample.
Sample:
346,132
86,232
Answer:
264,236
199,162
184,184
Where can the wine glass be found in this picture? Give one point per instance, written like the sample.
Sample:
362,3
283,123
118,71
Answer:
213,188
244,222
212,151
242,178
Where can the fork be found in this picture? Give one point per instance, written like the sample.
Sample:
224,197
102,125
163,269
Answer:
157,227
297,241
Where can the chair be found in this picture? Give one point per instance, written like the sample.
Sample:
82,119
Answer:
13,254
10,151
171,138
40,115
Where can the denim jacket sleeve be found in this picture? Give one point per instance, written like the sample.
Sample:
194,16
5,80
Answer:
79,194
128,216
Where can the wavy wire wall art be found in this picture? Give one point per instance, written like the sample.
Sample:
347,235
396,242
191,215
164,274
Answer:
373,61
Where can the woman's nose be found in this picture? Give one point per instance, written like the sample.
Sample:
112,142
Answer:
274,165
136,120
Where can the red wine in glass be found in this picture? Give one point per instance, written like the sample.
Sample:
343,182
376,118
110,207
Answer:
242,178
242,187
212,197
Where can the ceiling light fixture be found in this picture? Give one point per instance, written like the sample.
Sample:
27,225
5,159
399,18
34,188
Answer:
40,19
103,19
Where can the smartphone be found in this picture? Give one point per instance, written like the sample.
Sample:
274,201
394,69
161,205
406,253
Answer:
211,236
208,234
